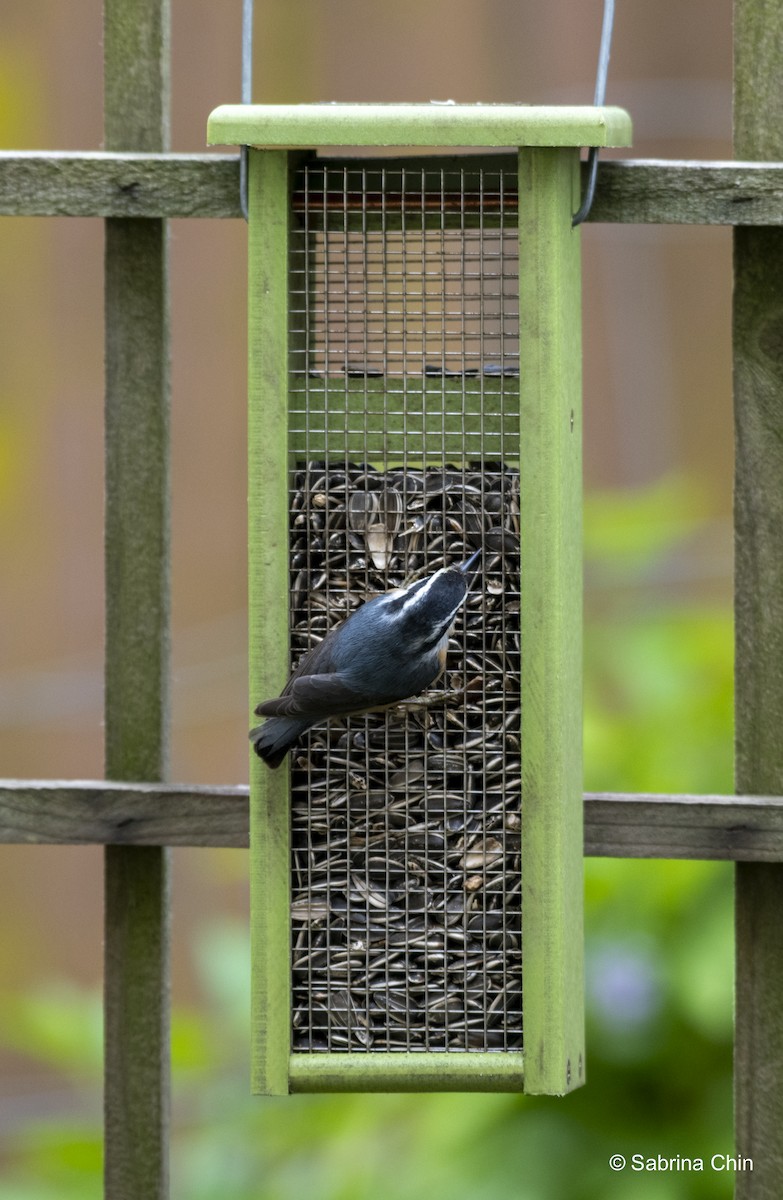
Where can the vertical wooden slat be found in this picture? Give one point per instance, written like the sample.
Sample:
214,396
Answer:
758,515
136,74
551,549
268,608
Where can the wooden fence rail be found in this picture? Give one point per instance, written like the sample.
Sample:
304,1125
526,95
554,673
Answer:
629,191
94,812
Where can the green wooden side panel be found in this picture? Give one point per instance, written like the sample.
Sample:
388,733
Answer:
268,608
433,1071
551,498
304,125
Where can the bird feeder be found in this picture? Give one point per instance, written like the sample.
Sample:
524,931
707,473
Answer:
415,395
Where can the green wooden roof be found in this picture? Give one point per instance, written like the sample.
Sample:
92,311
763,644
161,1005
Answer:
446,124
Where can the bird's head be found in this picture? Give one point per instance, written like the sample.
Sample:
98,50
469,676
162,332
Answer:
426,608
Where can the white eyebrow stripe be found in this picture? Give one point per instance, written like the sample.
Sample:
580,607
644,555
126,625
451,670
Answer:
421,594
418,598
387,597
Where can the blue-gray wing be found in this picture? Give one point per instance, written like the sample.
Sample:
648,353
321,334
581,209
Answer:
316,697
316,690
317,661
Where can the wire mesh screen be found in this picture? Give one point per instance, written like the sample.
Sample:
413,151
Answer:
404,435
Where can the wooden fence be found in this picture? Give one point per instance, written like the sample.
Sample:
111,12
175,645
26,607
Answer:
135,185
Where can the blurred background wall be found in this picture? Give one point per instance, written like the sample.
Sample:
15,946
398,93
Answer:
657,392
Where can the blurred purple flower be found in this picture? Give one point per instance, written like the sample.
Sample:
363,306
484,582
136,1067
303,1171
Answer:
623,985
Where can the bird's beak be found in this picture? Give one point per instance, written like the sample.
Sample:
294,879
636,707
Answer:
465,567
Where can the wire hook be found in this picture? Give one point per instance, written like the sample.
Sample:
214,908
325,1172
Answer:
247,94
600,93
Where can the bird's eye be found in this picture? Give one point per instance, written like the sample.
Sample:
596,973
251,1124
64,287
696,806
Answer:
416,587
395,602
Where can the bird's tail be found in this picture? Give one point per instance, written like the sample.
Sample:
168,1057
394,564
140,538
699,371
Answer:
272,740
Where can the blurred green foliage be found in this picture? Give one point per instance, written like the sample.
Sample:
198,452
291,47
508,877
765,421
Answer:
659,957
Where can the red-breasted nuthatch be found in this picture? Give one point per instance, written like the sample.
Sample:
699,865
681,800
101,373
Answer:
391,648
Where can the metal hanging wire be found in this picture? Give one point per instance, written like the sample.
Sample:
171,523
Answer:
598,100
600,93
247,93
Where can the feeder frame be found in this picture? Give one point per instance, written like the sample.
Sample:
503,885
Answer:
548,141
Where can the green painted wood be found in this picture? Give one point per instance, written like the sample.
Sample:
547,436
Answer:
551,602
706,827
268,609
137,74
442,1071
104,184
100,812
138,1003
305,125
329,401
38,812
137,880
758,520
662,192
116,184
137,498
